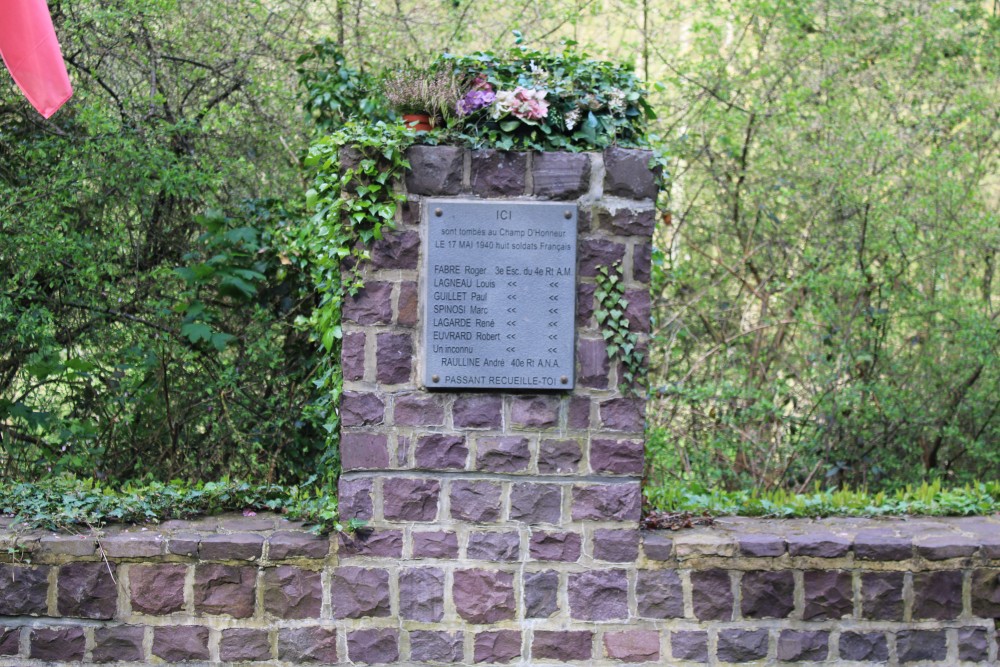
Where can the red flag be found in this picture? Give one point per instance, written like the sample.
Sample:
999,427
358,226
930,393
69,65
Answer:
31,52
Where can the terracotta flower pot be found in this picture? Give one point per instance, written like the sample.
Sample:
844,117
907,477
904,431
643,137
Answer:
418,122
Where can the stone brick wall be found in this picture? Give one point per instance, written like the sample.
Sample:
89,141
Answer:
502,528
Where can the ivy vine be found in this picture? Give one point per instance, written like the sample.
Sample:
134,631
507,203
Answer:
353,200
622,344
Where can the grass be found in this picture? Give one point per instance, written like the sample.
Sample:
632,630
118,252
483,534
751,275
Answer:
927,499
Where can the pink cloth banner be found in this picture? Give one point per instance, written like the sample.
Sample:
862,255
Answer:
31,52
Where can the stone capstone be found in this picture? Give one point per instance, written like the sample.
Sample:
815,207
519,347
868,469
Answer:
560,175
627,173
498,173
435,170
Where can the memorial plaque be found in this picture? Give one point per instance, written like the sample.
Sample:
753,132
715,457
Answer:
499,295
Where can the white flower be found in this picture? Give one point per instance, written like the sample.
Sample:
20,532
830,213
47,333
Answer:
572,118
616,100
503,103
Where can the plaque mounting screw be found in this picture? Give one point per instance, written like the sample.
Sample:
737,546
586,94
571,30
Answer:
438,212
568,214
564,379
435,378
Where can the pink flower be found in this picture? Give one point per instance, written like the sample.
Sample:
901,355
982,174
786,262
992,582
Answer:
529,104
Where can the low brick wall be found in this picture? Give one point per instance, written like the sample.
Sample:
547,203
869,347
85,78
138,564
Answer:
262,590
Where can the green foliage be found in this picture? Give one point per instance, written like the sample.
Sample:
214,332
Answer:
336,92
352,199
622,344
591,103
825,302
925,499
62,502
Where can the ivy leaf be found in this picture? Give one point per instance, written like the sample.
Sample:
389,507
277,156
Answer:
601,315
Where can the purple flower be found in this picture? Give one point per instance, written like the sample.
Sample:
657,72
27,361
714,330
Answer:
475,99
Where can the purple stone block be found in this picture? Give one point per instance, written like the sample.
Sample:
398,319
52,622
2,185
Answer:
870,646
352,356
364,451
628,222
435,544
638,310
180,643
157,589
309,644
556,546
118,642
375,544
57,644
184,544
407,305
475,501
493,546
536,503
633,645
642,264
541,590
584,303
373,647
497,646
559,456
244,644
943,547
358,592
624,414
371,305
607,502
503,454
498,173
593,365
659,594
619,546
418,410
594,253
986,593
829,594
712,595
578,416
477,411
768,594
396,250
627,173
761,546
742,645
562,645
937,595
361,408
484,596
224,589
292,592
410,499
621,457
882,545
657,546
10,641
421,594
85,590
973,644
689,645
435,170
560,175
818,545
426,645
296,544
882,596
410,211
442,452
598,595
394,359
917,645
534,411
803,645
355,499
